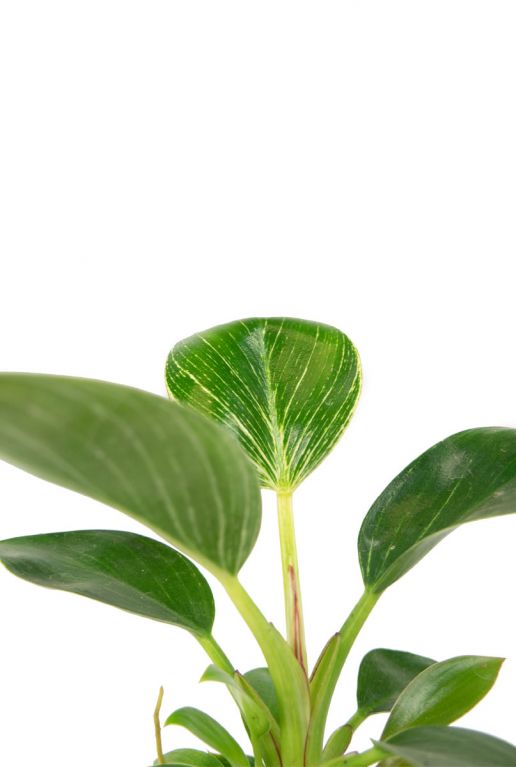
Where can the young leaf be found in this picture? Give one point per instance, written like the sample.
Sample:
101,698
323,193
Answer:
469,476
190,757
286,387
382,677
443,693
129,571
256,715
449,747
261,681
210,732
165,465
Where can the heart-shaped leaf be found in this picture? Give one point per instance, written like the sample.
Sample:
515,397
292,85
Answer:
382,677
179,473
450,747
190,757
443,693
286,387
210,732
469,476
129,571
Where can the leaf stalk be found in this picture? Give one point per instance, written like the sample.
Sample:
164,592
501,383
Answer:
291,582
157,727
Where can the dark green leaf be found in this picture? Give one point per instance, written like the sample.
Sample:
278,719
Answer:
163,464
382,677
122,569
469,476
210,732
450,747
261,681
287,388
443,693
190,757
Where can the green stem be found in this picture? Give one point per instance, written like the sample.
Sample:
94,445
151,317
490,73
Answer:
215,653
289,679
327,672
157,728
220,659
371,756
291,582
357,719
340,739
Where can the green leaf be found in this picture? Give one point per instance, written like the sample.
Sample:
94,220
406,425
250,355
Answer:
450,747
443,692
382,677
286,387
469,476
165,465
129,571
210,732
261,681
256,715
190,757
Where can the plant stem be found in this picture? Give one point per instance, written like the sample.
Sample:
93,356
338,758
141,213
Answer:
289,679
215,653
356,720
157,727
291,583
364,759
327,672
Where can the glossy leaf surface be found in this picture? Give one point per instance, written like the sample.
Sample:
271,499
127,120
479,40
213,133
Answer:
163,464
210,732
469,476
382,677
125,570
191,757
443,692
286,387
450,747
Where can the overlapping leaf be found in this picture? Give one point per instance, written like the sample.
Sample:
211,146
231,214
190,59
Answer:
450,747
165,465
382,677
443,693
261,681
256,715
129,571
210,732
469,476
286,387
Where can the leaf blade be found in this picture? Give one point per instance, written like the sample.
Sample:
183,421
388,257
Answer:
164,465
125,570
450,747
287,388
210,732
443,693
470,475
382,677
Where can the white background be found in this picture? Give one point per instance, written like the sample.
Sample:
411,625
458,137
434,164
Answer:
167,166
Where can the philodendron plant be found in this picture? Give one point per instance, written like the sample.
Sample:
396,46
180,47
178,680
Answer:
256,404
